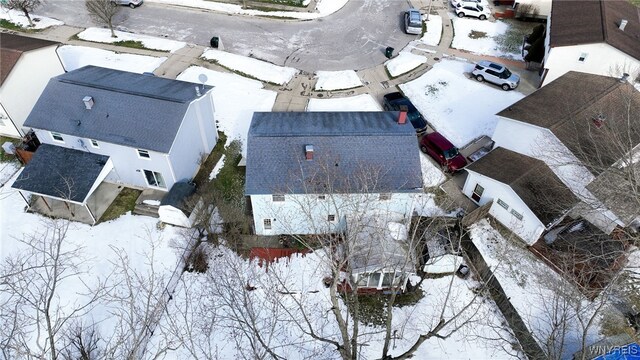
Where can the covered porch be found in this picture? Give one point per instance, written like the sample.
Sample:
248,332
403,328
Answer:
66,183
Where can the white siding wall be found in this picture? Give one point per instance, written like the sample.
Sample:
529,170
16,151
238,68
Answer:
543,7
306,214
529,228
127,165
22,88
601,59
197,135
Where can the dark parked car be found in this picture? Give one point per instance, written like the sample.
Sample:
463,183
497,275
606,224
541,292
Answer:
442,151
396,101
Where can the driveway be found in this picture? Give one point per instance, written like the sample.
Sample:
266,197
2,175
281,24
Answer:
352,38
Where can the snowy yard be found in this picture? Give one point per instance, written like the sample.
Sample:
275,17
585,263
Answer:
363,102
458,107
539,294
149,42
74,57
502,38
18,18
337,80
404,62
434,30
258,69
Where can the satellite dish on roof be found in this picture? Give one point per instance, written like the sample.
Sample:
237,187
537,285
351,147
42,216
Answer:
203,79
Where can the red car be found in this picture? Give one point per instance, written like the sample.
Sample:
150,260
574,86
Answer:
442,151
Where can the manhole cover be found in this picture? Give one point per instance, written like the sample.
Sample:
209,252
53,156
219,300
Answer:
320,95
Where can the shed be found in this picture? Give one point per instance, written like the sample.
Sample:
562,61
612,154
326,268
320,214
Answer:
175,207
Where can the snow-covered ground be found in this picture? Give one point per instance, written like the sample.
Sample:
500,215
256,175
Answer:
460,108
432,175
323,8
539,294
235,99
7,170
337,80
363,102
18,18
434,30
404,62
149,42
74,57
258,69
479,37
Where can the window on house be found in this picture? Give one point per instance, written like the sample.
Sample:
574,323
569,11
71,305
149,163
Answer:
387,279
322,197
385,196
94,143
154,178
331,218
582,57
503,204
57,136
277,198
516,214
477,193
143,154
267,224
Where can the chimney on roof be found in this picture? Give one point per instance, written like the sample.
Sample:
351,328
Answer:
622,25
308,151
88,102
624,78
402,116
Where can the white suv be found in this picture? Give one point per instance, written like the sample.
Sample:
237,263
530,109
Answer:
496,73
474,9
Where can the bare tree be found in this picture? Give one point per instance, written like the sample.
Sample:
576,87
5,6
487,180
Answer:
34,311
104,12
26,6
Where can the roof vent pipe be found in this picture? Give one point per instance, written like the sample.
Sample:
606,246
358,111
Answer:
624,78
308,152
402,116
197,90
623,23
88,102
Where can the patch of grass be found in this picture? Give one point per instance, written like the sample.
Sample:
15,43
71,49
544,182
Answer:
6,24
477,34
433,90
202,177
373,308
635,2
124,202
4,157
135,44
215,62
511,41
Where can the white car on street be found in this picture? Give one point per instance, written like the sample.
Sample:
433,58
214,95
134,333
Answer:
473,9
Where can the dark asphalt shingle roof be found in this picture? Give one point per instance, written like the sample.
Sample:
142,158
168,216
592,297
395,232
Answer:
61,172
134,110
568,105
352,149
11,48
178,195
533,181
575,22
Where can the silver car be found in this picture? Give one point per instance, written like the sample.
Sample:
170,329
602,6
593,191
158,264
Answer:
497,74
130,3
413,22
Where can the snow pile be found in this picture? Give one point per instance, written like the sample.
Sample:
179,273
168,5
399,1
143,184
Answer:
539,294
74,57
424,205
253,67
337,80
479,37
18,18
235,99
323,8
404,62
460,108
149,42
434,31
444,264
216,169
363,102
432,175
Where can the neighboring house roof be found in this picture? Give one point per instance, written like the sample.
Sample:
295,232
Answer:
61,172
621,198
569,106
534,182
134,110
576,22
351,150
12,47
178,195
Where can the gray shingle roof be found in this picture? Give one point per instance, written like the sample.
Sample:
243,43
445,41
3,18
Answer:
177,196
533,181
61,172
129,109
351,149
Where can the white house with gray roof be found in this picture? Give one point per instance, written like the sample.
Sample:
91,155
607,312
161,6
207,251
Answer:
152,130
308,172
